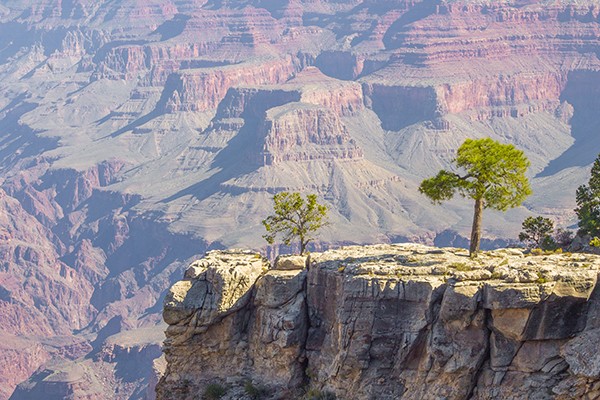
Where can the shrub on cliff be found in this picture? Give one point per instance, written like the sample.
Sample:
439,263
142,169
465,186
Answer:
494,178
537,232
588,203
254,392
295,218
316,394
214,391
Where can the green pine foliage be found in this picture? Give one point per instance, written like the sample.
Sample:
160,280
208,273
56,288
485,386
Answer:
494,176
588,203
537,233
294,218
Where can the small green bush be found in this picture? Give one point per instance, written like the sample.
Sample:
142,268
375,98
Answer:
537,232
252,391
214,391
595,242
537,252
541,278
295,217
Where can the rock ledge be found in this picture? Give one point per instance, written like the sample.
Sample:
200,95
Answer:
399,321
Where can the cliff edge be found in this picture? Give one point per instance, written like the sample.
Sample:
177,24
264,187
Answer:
399,321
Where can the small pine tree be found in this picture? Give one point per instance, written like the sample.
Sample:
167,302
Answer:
295,217
537,232
588,203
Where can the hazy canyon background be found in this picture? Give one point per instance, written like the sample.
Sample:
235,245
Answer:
135,135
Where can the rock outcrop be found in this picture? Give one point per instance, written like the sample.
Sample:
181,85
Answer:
386,322
203,89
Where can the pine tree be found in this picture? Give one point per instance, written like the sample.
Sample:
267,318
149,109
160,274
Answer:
588,203
494,178
537,232
295,217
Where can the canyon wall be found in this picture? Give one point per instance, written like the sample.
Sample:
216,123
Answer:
69,249
386,322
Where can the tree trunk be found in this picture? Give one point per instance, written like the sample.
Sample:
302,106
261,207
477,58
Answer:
476,230
302,245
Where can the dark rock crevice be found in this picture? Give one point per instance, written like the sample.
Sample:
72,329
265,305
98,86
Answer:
485,361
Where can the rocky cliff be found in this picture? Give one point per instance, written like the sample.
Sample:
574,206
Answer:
385,322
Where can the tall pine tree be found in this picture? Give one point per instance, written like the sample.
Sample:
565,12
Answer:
494,178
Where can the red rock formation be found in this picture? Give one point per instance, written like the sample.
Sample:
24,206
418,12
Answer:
213,36
46,287
199,90
308,86
28,252
537,92
298,121
493,60
299,133
343,98
19,358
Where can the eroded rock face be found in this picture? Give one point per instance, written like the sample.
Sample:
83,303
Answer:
260,326
395,322
216,286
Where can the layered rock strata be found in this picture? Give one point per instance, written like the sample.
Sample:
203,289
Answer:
386,322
